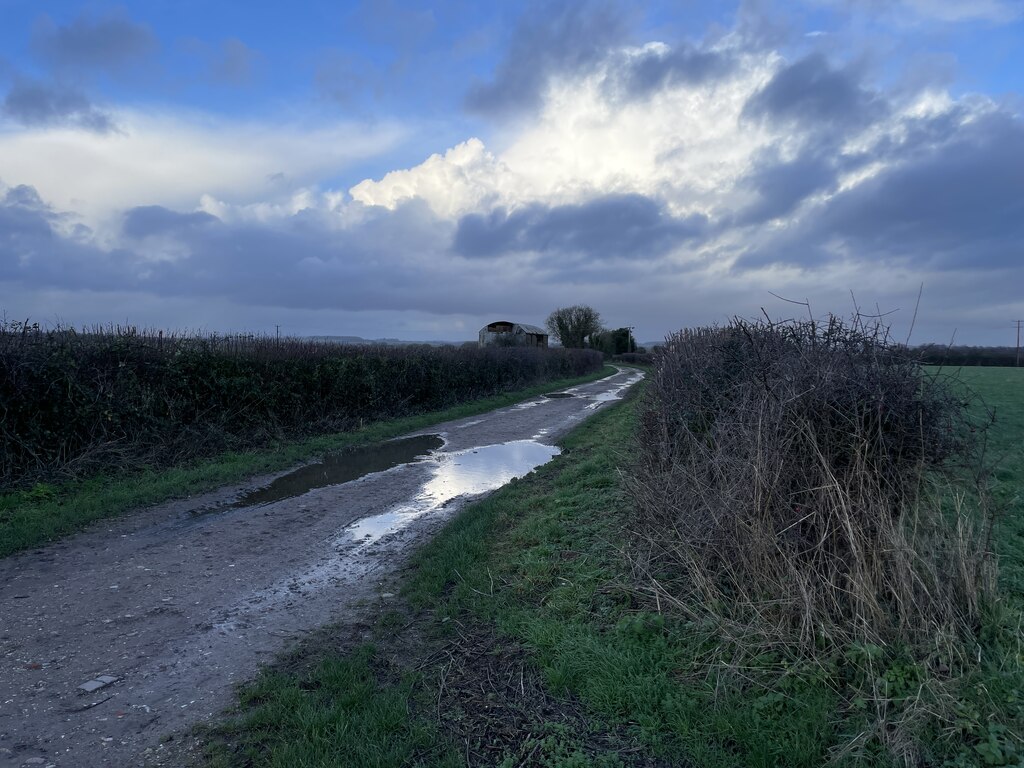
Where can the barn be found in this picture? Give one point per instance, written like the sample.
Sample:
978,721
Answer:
513,334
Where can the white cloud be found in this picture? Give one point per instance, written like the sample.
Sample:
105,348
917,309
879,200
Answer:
174,159
466,178
685,144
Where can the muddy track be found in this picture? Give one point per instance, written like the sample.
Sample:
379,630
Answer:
164,611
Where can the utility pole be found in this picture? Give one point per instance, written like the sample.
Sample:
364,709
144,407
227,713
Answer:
277,333
1018,342
631,328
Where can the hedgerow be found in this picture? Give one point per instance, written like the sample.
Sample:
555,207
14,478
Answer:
75,401
812,493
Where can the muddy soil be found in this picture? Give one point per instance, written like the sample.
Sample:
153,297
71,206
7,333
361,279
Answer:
162,612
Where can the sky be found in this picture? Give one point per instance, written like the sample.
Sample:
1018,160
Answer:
415,170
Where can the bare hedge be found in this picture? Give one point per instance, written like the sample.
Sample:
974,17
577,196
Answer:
800,480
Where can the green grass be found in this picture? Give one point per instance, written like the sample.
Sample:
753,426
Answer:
542,565
1002,390
334,715
47,512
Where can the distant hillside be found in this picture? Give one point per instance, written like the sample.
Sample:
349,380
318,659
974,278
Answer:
377,342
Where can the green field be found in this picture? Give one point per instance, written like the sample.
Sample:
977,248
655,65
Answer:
1002,390
525,637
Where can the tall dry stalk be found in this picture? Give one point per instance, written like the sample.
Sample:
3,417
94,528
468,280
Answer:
797,481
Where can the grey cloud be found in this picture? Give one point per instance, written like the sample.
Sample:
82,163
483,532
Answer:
782,186
616,226
24,196
234,62
108,43
24,218
652,71
343,77
397,260
34,103
956,204
392,261
402,27
148,220
811,93
31,246
563,37
760,25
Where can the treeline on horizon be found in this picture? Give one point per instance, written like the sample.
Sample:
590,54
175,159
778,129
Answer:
108,399
939,354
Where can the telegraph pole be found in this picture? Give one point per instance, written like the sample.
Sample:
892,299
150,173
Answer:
1018,342
631,328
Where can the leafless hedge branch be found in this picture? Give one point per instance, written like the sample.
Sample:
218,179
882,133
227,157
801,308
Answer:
799,480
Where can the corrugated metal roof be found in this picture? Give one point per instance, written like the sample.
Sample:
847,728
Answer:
532,329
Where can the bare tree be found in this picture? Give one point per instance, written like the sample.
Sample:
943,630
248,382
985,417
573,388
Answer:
572,326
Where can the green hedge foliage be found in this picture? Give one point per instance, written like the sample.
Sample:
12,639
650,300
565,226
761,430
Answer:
74,401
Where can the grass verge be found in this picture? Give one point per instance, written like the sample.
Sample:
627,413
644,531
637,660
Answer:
47,512
522,638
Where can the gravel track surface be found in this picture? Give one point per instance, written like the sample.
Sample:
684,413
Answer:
182,601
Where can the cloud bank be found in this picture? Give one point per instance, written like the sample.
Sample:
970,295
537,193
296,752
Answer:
666,183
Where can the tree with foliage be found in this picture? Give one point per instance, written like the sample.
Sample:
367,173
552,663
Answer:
614,342
573,326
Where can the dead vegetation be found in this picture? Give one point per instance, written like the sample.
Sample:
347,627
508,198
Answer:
806,485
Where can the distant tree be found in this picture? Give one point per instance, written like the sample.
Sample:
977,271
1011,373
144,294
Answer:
613,342
573,326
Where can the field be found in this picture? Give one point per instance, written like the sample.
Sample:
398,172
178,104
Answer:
525,636
1002,389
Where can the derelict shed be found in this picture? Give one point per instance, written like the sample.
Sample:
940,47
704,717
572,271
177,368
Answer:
513,334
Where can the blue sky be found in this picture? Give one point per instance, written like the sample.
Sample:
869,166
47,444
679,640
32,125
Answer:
416,169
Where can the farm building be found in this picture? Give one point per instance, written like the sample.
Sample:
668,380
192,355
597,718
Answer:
504,332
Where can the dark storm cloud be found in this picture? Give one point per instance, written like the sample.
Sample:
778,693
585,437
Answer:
616,226
652,71
96,43
955,204
148,220
810,93
34,103
565,37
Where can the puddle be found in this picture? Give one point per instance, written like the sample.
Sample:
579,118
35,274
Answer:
528,404
559,395
615,393
337,468
460,473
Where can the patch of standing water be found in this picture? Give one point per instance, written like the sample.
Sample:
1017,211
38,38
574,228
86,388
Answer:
342,467
616,392
559,395
460,473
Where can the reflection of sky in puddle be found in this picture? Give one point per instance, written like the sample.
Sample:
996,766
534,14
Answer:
461,473
615,393
528,404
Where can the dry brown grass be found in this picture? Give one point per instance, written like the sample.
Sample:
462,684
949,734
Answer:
801,482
